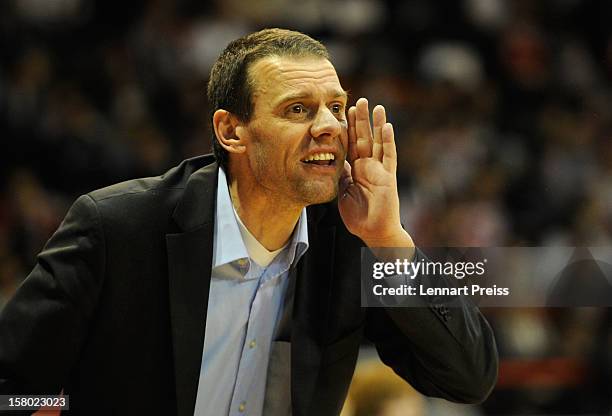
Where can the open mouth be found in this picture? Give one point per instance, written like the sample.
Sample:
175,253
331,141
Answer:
321,159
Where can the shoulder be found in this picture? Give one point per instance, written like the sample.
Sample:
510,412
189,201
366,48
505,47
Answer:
139,201
174,179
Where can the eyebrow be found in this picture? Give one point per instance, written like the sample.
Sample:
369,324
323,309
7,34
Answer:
301,95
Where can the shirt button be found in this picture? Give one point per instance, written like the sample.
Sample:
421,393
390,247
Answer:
242,407
252,344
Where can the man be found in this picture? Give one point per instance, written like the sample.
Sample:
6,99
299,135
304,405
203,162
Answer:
231,285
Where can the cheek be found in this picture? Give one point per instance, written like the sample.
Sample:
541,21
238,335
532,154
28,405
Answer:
280,145
271,158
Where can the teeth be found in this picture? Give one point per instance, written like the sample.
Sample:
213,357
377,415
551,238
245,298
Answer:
320,156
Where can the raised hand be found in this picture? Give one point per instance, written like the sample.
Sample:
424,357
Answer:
368,201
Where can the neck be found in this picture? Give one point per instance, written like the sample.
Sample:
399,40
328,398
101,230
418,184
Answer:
270,219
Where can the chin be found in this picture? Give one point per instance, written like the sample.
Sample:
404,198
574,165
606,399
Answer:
319,195
323,200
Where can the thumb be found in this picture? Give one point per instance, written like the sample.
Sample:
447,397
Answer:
346,179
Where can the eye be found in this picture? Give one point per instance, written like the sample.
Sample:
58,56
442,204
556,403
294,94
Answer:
297,109
336,108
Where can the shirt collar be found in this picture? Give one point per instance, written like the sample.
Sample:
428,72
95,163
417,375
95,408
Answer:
299,243
228,243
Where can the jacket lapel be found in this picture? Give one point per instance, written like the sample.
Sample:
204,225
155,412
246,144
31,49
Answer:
189,270
310,311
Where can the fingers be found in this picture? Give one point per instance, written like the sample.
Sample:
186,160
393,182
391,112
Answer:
352,135
363,142
363,129
389,159
379,119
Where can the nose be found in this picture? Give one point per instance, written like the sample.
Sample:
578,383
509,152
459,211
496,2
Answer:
325,124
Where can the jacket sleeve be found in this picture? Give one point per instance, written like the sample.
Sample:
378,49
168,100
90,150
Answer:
442,350
42,328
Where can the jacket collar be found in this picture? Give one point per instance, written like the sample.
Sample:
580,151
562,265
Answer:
197,206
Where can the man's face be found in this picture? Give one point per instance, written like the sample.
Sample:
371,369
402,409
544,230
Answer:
298,116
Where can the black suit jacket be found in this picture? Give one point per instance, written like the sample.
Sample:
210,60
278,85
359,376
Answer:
114,311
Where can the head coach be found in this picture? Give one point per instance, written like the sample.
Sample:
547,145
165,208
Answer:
231,284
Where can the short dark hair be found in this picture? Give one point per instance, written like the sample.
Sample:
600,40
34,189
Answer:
229,86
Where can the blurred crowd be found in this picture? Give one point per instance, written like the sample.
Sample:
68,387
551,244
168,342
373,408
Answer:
501,110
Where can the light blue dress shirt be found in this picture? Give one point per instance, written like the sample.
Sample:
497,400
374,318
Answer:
244,305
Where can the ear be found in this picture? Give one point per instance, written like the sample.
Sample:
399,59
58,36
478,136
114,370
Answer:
227,131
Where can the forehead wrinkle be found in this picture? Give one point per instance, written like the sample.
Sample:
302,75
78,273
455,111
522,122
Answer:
328,84
289,68
305,88
294,81
306,71
290,73
299,94
310,77
287,74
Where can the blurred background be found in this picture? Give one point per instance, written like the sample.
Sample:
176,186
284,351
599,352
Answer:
502,118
